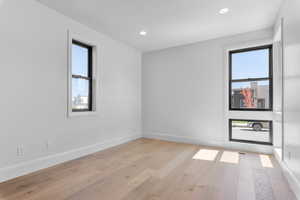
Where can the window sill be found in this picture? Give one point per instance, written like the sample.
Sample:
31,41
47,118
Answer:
259,110
81,114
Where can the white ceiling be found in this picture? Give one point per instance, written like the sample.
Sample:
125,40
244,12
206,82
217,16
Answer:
169,22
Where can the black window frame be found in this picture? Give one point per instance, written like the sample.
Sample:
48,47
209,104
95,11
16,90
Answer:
269,78
251,141
89,76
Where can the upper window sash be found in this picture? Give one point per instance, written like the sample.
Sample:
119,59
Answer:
89,63
267,73
243,78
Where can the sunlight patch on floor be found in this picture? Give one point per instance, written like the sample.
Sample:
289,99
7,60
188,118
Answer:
206,154
230,157
266,161
278,152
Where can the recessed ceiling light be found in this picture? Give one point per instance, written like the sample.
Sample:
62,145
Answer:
143,33
224,11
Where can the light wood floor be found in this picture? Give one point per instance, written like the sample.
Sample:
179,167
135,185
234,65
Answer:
150,170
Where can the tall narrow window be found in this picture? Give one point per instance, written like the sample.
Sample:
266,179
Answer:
82,77
250,79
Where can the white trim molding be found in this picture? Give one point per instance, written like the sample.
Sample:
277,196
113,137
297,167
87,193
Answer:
95,51
21,169
181,139
247,115
289,175
212,143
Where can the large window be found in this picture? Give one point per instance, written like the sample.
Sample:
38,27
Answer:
251,131
82,58
250,79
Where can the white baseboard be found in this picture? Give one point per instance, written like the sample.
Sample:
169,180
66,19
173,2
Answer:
213,143
21,169
289,175
181,139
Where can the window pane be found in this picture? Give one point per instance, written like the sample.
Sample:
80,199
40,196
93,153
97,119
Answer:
250,64
250,95
255,131
80,94
79,60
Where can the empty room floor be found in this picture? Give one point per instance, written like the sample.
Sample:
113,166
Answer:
154,169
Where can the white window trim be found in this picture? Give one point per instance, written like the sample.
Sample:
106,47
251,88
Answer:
247,115
72,36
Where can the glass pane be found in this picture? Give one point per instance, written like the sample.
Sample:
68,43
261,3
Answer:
250,95
79,60
250,64
80,93
255,131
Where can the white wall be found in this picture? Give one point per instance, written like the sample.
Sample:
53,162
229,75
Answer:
184,92
33,87
277,84
291,37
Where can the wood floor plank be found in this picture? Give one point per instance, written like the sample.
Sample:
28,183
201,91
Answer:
148,169
246,188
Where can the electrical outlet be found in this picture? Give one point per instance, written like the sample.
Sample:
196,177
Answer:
47,145
20,150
